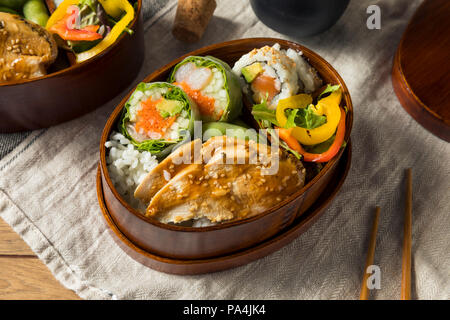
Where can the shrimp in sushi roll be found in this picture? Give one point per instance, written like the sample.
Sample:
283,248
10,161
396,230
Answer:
211,83
157,117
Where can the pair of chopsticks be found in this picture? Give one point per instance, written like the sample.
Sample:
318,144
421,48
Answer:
407,239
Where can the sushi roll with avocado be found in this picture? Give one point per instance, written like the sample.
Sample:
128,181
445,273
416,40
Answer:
270,74
157,117
212,85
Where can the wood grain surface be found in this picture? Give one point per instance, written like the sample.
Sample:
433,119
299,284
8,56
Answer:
22,275
420,74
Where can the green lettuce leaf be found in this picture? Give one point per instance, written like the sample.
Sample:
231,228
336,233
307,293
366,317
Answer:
304,118
263,114
329,89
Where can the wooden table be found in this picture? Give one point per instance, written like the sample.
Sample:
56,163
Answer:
22,274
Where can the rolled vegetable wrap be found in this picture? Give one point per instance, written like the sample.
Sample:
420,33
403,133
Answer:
157,117
212,85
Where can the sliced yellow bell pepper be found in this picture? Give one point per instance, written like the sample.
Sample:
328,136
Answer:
113,8
60,12
328,106
116,31
295,102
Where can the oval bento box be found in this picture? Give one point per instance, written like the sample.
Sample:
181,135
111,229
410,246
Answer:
178,242
71,92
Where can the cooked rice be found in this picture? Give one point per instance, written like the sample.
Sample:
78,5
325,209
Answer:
308,78
127,167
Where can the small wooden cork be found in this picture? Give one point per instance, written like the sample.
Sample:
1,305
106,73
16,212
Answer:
191,19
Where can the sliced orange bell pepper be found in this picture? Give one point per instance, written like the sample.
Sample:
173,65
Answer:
286,136
88,33
334,148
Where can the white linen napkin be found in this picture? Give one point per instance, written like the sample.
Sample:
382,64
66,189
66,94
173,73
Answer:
48,192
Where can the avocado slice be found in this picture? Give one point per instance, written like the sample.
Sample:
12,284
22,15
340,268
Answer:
252,71
169,108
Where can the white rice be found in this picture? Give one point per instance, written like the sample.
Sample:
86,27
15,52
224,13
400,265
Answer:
127,167
307,75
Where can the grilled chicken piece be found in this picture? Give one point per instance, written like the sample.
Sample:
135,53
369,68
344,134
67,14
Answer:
26,49
229,184
174,163
165,170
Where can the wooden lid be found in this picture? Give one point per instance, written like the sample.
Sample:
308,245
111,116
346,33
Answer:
421,71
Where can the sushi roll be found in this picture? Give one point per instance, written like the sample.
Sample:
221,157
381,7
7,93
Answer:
309,80
211,83
270,74
157,117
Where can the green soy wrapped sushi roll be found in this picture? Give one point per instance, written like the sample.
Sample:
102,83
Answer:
212,85
157,117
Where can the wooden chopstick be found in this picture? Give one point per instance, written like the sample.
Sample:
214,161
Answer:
364,295
407,239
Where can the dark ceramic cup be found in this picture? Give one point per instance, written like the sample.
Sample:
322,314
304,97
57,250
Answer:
299,18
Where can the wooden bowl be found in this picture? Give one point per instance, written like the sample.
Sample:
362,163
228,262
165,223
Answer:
173,241
420,77
260,250
71,92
